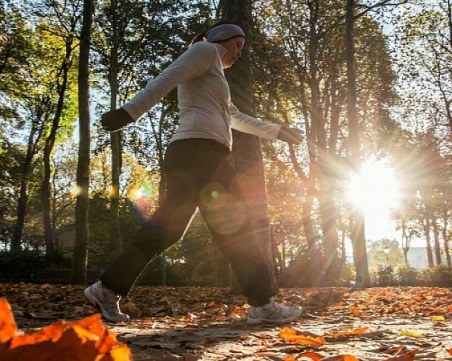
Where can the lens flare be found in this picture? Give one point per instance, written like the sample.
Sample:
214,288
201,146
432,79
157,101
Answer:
141,197
375,190
75,191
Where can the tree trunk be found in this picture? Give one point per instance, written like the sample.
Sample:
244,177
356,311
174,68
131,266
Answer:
81,208
328,222
21,211
357,218
115,244
436,243
446,237
406,241
428,241
313,252
246,151
48,149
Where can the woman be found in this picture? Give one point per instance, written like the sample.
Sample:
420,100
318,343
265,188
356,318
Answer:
199,176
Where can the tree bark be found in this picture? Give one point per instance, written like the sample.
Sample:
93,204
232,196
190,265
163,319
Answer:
21,210
246,151
406,241
115,244
436,243
81,208
428,241
446,237
357,218
63,73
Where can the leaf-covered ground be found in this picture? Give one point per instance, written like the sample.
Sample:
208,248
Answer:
193,323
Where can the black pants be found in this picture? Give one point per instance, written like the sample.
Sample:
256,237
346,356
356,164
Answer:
199,175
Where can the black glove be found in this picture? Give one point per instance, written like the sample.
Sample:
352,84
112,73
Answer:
290,135
115,120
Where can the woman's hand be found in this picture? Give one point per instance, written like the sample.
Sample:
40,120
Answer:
115,120
290,135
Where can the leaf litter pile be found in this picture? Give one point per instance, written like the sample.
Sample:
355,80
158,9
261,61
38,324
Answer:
202,323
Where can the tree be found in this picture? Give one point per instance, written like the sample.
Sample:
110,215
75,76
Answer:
357,218
131,45
313,96
61,36
31,100
246,150
11,157
81,209
425,58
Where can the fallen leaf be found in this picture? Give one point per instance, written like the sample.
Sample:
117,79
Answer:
87,339
358,331
314,356
290,335
408,356
8,326
410,333
341,358
395,350
289,358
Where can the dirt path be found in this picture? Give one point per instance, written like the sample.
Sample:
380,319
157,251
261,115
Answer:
192,323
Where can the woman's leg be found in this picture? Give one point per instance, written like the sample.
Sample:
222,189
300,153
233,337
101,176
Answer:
226,214
166,226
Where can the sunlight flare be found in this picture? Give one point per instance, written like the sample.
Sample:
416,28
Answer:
375,190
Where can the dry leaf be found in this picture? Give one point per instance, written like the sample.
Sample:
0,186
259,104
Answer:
358,331
87,339
410,333
341,358
290,358
408,356
314,356
290,335
8,326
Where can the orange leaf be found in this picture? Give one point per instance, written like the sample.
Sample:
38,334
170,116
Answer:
314,356
290,335
341,358
88,339
358,331
407,356
290,358
449,351
8,326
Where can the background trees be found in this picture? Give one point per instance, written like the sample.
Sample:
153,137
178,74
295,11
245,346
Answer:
298,75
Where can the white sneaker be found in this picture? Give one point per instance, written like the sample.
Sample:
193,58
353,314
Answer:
106,301
273,312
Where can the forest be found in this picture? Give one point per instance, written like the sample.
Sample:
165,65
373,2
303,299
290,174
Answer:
368,82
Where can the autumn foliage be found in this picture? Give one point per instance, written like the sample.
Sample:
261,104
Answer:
87,339
292,336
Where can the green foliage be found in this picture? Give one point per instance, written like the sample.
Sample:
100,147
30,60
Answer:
384,253
297,52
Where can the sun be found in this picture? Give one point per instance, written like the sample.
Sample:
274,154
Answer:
376,191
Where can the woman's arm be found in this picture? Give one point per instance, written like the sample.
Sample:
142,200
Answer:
248,124
192,63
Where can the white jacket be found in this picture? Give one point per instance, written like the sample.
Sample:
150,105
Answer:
204,99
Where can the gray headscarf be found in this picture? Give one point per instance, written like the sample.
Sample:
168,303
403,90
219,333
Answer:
224,32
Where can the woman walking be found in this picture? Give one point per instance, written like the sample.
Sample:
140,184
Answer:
199,175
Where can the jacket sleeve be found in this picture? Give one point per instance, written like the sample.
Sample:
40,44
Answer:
248,124
195,61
